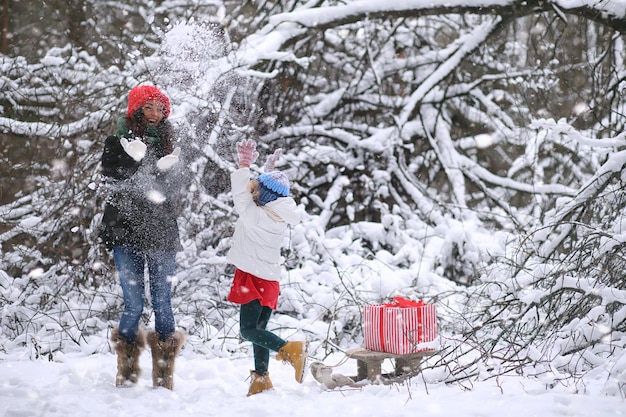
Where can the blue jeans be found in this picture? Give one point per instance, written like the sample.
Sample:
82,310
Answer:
130,263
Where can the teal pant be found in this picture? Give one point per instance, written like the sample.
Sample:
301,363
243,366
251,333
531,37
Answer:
253,319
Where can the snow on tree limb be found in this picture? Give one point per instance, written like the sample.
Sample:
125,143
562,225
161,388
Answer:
461,47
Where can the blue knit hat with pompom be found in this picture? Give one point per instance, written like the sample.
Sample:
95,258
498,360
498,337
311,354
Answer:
272,185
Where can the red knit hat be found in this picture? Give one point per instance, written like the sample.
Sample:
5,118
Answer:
140,95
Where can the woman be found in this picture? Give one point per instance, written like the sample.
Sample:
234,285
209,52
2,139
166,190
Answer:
265,211
140,227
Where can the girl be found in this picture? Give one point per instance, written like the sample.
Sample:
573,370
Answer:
265,211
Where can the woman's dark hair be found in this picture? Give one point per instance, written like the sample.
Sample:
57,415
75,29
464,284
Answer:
137,124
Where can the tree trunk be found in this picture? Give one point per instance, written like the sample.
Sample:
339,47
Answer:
4,28
76,16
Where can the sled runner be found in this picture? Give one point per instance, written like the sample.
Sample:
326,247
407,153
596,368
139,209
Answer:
369,368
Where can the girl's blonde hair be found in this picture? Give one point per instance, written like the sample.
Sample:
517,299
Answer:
253,186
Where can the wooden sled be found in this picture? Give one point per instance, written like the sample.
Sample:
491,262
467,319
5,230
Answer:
369,368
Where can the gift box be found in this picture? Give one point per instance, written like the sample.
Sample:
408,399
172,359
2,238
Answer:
399,327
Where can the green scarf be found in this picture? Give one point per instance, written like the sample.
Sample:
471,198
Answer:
152,134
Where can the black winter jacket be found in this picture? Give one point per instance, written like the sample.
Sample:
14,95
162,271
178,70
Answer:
141,209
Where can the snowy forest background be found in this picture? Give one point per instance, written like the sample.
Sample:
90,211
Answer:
470,154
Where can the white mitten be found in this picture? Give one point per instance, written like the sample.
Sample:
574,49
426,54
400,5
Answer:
136,149
168,161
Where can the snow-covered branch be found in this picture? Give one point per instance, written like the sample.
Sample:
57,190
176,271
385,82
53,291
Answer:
285,28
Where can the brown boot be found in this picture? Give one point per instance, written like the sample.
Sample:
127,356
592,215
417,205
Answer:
259,383
128,369
164,354
294,353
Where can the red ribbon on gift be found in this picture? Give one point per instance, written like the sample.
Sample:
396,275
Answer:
404,303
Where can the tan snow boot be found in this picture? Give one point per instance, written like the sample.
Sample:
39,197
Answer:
128,369
294,353
259,383
164,354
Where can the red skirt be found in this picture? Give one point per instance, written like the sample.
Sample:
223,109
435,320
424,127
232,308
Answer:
247,287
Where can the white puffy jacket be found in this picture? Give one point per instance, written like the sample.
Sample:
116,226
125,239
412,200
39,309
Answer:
260,230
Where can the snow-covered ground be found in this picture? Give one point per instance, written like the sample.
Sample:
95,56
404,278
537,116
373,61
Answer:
84,385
